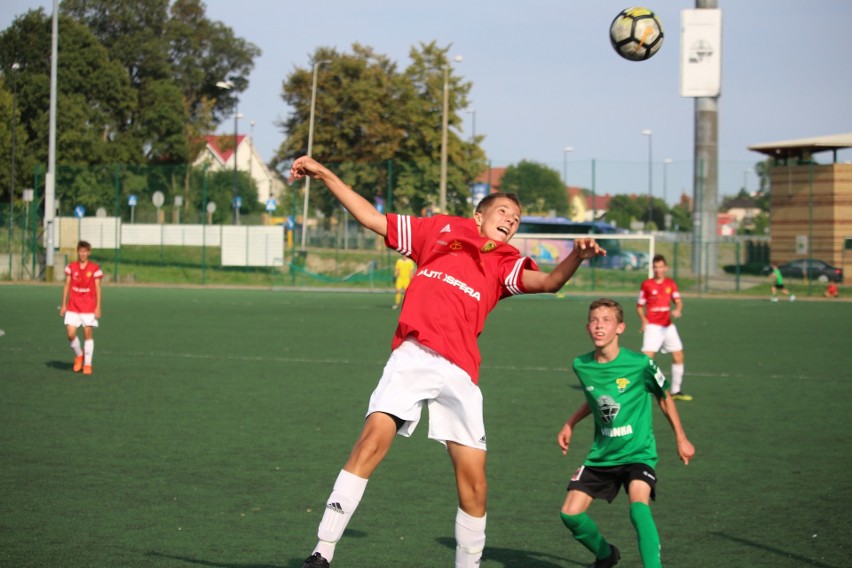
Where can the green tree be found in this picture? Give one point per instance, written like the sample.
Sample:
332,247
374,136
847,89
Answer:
539,188
94,99
381,127
174,58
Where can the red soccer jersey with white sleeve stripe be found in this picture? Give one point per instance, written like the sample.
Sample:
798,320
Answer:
82,296
658,297
460,278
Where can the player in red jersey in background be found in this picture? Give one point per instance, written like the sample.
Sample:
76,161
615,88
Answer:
464,267
660,334
81,305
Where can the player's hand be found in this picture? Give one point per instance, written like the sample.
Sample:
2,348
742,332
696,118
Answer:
98,313
642,327
676,313
685,450
305,166
588,248
62,311
564,438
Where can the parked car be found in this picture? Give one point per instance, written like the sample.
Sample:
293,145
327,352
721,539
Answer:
814,269
620,260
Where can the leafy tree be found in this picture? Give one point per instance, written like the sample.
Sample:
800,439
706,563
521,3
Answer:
623,210
382,127
539,188
174,58
94,98
682,215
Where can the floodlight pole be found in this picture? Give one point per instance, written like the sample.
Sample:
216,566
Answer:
445,124
310,151
650,134
15,68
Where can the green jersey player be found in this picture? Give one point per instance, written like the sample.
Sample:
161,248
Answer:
618,385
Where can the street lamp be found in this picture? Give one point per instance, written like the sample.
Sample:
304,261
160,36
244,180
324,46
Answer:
565,151
229,86
310,150
473,136
445,119
647,132
15,67
666,163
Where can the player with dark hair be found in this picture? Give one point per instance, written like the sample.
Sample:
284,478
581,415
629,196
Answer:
618,385
81,305
465,266
654,306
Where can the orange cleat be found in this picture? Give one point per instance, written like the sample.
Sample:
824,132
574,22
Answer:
78,364
87,370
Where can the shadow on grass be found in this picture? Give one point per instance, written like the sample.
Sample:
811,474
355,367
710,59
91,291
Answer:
776,551
60,365
215,564
512,558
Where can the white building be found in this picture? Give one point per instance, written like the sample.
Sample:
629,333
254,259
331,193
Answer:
219,156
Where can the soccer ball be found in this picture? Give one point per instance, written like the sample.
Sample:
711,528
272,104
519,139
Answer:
636,34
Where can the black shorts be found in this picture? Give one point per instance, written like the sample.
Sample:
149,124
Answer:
779,286
604,482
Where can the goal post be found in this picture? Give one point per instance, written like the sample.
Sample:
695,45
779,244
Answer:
624,251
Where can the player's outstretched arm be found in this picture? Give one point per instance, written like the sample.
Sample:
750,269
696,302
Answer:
564,436
535,281
685,449
361,209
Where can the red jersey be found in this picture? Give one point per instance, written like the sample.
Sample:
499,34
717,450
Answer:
658,297
82,296
460,277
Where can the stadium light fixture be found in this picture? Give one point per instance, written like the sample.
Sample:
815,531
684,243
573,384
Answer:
650,134
445,119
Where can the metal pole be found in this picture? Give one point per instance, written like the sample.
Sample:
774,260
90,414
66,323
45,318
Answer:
442,199
650,134
50,177
310,150
234,180
15,68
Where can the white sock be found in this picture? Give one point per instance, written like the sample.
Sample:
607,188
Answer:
470,539
341,505
75,346
677,377
88,350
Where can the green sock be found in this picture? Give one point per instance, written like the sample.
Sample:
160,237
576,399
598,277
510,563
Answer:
586,532
646,530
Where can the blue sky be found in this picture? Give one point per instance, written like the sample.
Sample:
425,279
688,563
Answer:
545,77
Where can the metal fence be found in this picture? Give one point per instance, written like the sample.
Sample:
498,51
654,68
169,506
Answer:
337,250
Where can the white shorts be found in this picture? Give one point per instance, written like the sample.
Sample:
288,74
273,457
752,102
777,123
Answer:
75,319
663,339
416,375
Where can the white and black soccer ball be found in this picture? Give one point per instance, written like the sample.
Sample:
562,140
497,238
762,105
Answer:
636,34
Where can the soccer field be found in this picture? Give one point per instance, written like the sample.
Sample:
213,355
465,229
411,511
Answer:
216,421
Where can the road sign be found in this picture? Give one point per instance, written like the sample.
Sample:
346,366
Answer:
132,200
271,205
79,211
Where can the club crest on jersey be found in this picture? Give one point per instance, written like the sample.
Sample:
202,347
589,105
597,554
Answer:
489,246
455,245
621,384
608,408
668,290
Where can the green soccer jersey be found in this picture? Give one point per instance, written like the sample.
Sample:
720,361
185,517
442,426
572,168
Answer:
621,395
